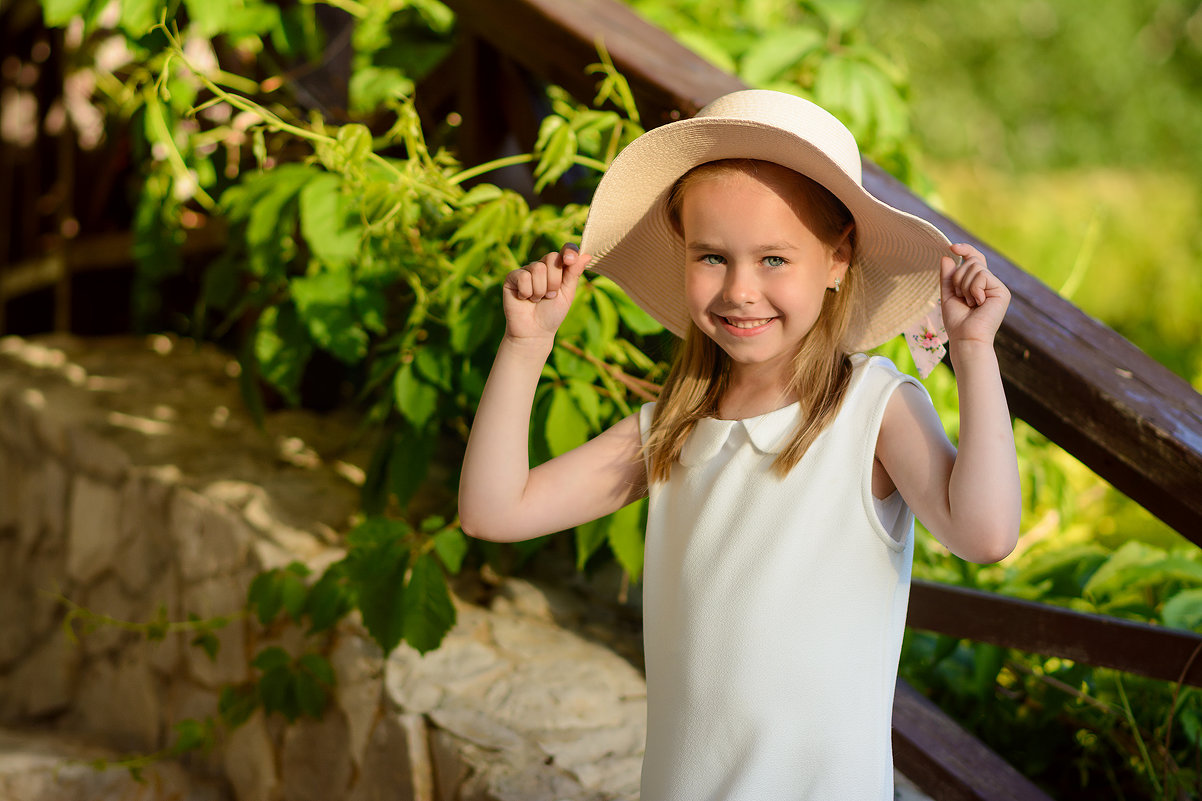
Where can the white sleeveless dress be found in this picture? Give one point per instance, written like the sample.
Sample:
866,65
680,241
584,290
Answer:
774,610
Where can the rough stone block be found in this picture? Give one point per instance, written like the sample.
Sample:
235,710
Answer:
13,470
44,683
144,521
43,577
250,761
358,689
316,763
163,593
396,765
216,597
45,767
118,700
105,597
210,538
16,602
94,533
96,455
19,414
56,482
451,769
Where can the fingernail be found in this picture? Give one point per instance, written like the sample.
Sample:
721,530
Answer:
551,294
573,246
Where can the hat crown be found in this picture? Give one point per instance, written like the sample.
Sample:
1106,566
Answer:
802,118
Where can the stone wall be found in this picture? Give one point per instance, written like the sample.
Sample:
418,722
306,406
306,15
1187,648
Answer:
132,482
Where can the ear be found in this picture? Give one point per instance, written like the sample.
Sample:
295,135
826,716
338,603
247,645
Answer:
841,254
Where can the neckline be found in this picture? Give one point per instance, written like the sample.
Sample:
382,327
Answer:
755,417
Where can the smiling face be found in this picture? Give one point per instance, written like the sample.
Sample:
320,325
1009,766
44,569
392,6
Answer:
756,273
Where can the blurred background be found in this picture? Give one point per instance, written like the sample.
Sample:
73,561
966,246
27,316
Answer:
225,182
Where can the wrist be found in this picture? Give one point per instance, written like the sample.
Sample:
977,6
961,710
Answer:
538,345
965,351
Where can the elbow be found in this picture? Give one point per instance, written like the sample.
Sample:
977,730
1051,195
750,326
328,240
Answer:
989,546
476,524
483,524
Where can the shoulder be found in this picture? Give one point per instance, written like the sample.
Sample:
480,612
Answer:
877,378
646,416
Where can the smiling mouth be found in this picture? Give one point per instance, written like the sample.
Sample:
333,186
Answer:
746,324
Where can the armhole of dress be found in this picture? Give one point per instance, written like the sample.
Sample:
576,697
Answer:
894,380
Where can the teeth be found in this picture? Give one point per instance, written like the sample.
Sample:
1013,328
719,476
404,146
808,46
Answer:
746,323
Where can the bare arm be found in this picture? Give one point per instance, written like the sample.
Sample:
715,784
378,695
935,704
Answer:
971,499
500,497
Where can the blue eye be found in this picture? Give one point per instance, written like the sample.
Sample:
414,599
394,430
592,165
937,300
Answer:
774,261
711,258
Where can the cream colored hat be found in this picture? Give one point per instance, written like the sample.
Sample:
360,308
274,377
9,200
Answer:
632,241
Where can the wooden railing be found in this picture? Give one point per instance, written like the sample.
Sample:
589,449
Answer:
1079,383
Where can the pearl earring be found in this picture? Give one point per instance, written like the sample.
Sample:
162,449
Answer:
836,284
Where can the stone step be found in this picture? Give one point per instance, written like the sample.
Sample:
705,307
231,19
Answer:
47,766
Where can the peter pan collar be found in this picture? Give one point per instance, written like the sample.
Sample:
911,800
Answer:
768,433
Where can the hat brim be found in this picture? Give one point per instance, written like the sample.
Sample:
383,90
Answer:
632,241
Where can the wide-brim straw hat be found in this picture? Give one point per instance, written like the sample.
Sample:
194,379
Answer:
632,241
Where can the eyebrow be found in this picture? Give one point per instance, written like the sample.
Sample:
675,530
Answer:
768,248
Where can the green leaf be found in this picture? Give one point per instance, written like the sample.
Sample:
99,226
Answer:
208,17
482,193
323,302
416,399
409,462
329,223
587,401
265,597
139,16
631,314
589,537
373,86
273,213
208,642
557,154
566,426
355,140
843,15
451,546
271,658
58,13
191,734
434,364
236,704
1184,610
277,691
429,613
377,561
292,595
626,537
282,349
313,678
328,600
778,51
252,20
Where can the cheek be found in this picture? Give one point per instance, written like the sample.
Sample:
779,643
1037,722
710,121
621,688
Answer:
699,289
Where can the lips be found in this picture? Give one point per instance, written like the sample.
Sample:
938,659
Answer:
737,323
744,326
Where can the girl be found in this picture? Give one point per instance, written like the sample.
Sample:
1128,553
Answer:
782,463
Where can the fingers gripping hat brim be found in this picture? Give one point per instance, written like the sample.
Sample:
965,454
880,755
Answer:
632,241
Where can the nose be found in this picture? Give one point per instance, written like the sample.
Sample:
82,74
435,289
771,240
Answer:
740,286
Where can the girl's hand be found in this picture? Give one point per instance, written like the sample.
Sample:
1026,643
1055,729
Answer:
974,300
538,296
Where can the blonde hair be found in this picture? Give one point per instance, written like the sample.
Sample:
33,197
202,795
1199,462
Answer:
821,367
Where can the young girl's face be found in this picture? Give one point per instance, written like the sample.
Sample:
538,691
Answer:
755,274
